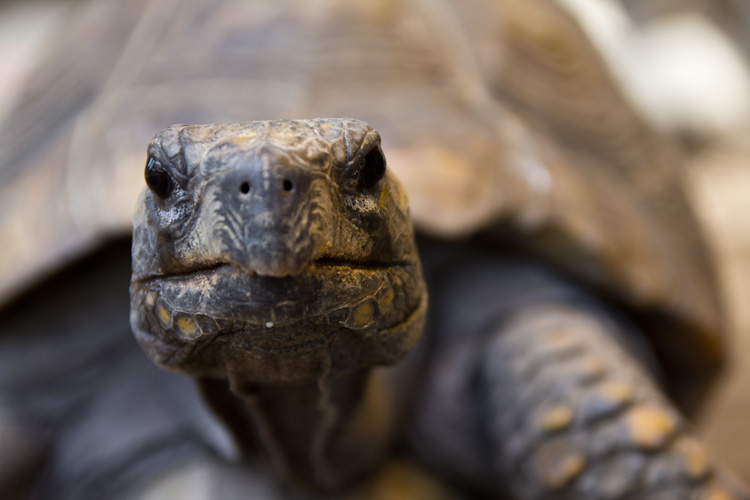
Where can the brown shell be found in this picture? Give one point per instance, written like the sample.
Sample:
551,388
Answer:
498,116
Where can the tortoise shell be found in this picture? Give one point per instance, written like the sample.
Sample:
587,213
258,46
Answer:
498,116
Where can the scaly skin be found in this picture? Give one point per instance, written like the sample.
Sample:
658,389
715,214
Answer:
279,257
576,416
535,389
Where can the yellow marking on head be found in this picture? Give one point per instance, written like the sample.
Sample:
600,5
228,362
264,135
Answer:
649,427
187,326
558,463
363,314
150,299
383,196
555,418
164,316
386,299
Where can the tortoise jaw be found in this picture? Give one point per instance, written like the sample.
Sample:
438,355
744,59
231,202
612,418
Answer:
197,322
313,265
350,294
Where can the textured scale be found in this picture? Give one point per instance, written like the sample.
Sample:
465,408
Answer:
638,445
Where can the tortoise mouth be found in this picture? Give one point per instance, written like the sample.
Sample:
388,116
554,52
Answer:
225,291
323,264
200,320
354,295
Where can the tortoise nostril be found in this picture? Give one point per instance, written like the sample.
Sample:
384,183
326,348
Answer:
245,187
288,186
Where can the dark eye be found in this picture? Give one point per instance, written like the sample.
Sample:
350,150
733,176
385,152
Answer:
373,169
157,179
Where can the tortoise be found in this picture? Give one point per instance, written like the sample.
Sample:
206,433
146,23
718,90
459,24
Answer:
568,282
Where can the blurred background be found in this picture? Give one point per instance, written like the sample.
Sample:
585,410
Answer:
684,65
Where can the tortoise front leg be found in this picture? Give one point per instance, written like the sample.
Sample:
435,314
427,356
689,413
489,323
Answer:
571,414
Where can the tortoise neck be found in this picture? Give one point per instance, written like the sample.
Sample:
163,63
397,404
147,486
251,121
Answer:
319,432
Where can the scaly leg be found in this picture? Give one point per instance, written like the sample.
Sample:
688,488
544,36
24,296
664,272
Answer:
574,416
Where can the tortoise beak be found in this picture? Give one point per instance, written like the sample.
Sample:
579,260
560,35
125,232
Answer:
264,214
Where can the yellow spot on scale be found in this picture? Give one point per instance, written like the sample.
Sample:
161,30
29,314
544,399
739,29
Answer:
150,299
695,461
559,463
363,314
386,299
164,316
649,427
187,326
555,418
616,392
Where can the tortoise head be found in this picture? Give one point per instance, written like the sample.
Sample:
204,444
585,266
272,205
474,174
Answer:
273,251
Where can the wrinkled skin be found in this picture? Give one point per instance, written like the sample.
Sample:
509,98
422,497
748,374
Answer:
278,254
267,253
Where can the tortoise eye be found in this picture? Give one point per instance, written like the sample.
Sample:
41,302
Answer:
373,169
157,179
